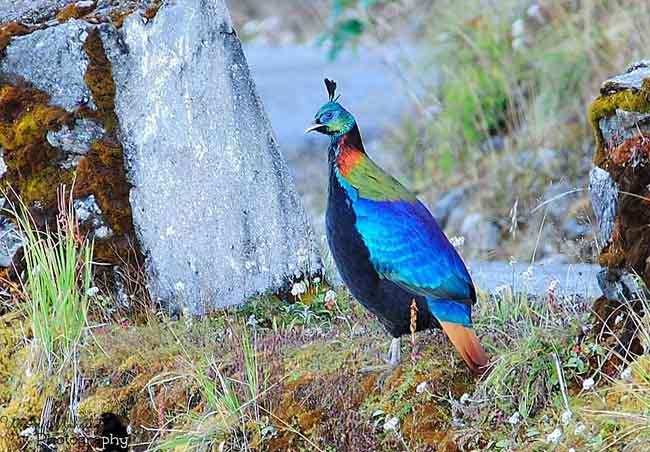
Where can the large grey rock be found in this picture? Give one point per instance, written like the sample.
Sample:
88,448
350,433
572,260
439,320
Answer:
212,201
604,201
632,78
54,61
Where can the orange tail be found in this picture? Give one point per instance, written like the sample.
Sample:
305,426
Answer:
467,344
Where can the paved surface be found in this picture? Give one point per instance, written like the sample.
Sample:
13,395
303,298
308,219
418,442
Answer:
572,279
290,82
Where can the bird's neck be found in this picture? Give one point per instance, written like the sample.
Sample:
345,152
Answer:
346,150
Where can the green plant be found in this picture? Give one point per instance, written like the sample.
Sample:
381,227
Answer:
232,407
57,284
534,342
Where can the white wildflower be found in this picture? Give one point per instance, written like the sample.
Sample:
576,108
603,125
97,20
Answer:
528,274
298,289
317,280
421,387
553,285
572,449
457,241
330,296
391,425
29,431
465,398
566,417
580,428
626,375
618,319
515,418
555,436
252,321
588,384
93,291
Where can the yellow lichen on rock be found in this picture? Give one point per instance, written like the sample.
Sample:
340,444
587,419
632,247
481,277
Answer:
606,105
99,79
24,409
74,11
10,30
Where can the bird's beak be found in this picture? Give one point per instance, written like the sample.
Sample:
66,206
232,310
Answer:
315,127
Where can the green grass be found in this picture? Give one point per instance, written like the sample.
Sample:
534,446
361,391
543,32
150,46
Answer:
56,287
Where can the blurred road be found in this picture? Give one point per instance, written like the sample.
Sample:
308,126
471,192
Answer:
290,82
572,279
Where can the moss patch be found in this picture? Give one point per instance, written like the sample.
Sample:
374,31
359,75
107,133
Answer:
99,79
73,11
31,161
606,105
10,30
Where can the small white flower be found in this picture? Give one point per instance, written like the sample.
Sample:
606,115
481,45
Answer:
554,436
618,319
298,289
465,398
391,425
566,417
457,241
252,321
330,296
317,280
421,387
512,261
514,419
626,375
29,431
580,428
528,274
588,384
553,285
572,449
92,291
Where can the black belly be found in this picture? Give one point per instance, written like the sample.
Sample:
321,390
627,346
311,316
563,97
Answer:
389,302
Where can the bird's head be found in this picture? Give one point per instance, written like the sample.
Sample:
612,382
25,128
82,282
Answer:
332,119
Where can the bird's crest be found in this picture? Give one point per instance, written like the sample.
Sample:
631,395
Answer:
331,90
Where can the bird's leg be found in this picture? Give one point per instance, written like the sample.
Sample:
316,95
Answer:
394,352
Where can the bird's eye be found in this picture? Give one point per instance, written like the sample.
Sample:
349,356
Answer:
327,116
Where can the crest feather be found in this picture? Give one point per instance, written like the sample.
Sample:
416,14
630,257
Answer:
331,88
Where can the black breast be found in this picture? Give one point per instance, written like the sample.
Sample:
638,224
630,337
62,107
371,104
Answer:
389,302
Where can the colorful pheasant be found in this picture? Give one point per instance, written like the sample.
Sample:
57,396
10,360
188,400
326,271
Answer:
388,248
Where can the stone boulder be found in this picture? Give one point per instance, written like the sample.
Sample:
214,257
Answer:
149,109
620,192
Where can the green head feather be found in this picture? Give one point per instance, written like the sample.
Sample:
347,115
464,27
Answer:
332,119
